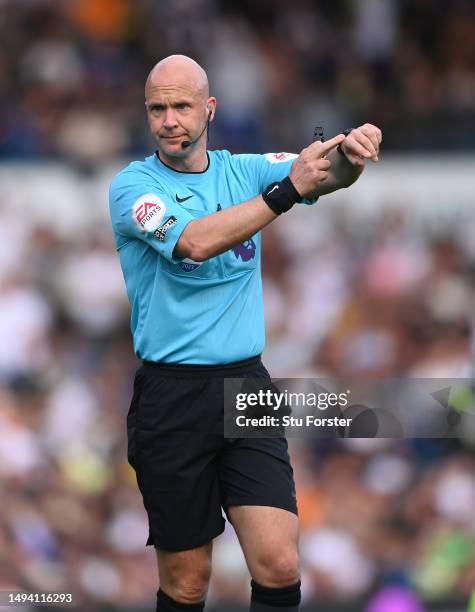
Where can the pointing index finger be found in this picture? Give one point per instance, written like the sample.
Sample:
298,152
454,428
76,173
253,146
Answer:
328,145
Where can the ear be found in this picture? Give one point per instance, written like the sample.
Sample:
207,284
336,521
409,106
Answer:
211,107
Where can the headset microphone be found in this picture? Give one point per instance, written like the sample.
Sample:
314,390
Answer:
187,143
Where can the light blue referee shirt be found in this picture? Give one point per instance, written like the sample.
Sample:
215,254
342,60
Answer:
188,312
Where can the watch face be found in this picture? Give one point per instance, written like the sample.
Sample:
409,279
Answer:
318,134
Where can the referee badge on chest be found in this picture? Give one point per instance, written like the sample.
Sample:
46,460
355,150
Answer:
189,265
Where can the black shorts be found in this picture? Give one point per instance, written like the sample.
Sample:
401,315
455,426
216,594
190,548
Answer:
186,470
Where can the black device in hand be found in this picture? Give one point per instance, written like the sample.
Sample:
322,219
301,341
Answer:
318,134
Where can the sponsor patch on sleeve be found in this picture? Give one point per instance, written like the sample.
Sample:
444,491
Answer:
148,212
160,232
276,158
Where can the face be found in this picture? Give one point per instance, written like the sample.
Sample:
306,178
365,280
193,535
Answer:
176,113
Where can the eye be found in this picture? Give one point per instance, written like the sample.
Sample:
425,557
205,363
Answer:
183,106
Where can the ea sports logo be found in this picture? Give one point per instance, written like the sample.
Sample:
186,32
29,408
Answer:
148,212
145,212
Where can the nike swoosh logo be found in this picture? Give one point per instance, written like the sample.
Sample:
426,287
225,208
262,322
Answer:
180,200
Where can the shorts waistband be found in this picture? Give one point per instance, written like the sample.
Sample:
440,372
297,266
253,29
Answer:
186,370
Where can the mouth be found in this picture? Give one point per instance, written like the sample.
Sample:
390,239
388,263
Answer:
172,138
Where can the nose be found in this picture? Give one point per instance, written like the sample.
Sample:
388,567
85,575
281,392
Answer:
170,119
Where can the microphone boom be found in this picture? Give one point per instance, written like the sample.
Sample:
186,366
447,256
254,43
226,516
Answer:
187,143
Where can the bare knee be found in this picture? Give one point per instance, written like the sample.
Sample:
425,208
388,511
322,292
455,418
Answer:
185,580
277,568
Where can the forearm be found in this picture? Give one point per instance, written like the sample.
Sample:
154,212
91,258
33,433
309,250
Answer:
215,233
342,173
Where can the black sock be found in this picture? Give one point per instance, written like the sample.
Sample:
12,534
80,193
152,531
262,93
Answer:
266,599
166,604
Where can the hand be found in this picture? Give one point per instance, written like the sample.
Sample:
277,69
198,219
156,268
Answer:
311,168
361,144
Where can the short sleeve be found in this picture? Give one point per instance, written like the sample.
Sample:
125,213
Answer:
275,167
270,168
142,210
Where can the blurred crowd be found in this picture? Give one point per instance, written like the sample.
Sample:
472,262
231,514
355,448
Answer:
72,71
374,297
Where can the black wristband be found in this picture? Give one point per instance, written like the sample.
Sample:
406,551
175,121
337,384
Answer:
280,197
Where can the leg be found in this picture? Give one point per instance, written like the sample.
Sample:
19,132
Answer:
175,463
184,578
258,494
269,538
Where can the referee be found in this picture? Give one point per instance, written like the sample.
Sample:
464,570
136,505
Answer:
187,226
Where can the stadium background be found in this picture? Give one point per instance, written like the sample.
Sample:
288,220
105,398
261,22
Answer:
375,281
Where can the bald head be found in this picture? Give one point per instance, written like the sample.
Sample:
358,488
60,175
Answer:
179,110
177,71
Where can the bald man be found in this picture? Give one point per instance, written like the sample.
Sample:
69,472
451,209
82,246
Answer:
187,225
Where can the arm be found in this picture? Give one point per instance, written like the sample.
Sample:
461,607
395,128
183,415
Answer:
215,233
348,164
342,174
